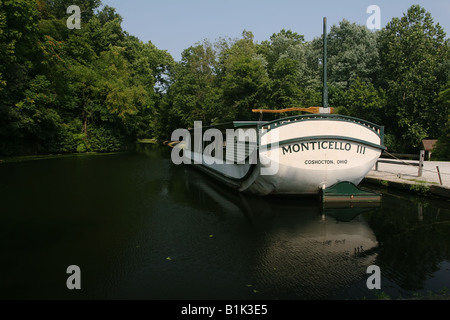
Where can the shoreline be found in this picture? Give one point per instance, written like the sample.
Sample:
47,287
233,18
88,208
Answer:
15,159
405,177
399,176
417,188
12,159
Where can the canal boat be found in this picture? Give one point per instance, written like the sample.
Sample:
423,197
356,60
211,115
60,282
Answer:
314,153
298,155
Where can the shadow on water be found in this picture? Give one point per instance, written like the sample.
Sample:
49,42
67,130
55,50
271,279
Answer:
140,227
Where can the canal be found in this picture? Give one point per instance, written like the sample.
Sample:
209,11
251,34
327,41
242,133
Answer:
139,227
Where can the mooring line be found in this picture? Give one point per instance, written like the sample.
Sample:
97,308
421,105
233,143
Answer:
412,165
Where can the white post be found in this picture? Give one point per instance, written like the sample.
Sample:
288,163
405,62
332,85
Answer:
421,160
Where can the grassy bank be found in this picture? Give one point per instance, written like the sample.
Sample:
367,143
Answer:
147,141
10,159
13,159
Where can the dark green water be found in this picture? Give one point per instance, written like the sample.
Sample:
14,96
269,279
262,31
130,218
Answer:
141,228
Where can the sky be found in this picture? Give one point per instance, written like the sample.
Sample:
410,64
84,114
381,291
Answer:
175,25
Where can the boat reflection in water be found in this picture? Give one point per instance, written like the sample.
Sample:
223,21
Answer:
302,250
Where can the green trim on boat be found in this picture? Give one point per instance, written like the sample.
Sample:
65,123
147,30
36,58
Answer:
336,117
348,192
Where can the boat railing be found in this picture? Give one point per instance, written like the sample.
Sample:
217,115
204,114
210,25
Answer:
281,122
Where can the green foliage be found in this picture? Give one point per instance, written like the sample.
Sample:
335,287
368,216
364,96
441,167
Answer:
353,54
57,8
193,96
62,90
242,77
365,101
381,295
102,139
420,189
413,53
18,85
286,66
72,138
97,88
442,148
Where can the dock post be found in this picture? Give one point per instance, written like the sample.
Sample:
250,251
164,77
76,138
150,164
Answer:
421,160
439,174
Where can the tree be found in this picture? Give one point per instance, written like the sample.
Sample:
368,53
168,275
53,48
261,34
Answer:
243,78
194,94
150,68
18,50
104,30
363,100
286,67
352,52
37,120
442,150
62,90
58,8
414,54
5,46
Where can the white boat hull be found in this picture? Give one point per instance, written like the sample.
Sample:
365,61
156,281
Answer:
298,174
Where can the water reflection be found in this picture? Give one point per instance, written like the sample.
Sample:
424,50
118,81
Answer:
308,251
120,217
303,249
414,234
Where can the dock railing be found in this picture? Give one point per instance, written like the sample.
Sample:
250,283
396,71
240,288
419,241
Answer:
399,159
